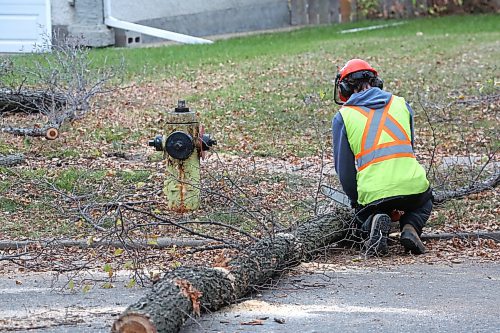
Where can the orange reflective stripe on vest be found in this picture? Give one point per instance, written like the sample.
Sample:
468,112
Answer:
371,150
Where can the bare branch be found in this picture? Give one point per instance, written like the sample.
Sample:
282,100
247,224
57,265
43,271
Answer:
59,85
476,187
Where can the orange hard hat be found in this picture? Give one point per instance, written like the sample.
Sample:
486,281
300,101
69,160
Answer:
355,65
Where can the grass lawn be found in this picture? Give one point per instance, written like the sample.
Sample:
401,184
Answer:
283,80
265,96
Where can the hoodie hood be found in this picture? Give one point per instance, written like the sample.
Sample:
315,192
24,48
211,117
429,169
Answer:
373,98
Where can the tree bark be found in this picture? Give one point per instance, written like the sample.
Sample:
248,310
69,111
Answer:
30,101
184,291
11,160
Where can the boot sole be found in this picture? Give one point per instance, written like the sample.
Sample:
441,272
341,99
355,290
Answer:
411,243
377,243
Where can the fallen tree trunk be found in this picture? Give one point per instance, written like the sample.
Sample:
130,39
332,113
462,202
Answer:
186,290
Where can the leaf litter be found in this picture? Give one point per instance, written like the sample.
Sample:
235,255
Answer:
275,176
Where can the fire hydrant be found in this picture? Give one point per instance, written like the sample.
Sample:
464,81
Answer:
182,148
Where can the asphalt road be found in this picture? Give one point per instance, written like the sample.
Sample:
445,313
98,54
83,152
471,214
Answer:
42,302
410,298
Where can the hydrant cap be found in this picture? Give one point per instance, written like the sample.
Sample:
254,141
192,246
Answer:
179,145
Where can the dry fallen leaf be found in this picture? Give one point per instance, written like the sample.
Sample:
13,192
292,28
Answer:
190,292
221,260
253,322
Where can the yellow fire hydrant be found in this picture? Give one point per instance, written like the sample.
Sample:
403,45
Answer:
182,148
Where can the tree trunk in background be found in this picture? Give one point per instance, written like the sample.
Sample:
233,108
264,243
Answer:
298,12
345,11
313,12
303,12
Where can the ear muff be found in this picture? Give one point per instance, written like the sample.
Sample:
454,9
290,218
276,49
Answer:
342,90
346,89
377,82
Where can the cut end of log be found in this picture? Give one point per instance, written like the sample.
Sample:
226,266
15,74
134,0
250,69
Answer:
133,323
52,133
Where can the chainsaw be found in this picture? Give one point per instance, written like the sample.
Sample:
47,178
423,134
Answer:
342,199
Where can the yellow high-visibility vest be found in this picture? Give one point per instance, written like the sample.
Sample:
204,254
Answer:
385,161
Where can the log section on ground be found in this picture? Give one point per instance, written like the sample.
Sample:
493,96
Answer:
50,131
30,101
159,243
11,160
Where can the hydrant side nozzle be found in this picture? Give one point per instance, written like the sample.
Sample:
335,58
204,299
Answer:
207,142
179,145
157,142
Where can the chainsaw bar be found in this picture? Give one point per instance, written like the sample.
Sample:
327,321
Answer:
338,196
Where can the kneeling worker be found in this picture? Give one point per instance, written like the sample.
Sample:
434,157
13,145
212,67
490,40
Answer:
373,139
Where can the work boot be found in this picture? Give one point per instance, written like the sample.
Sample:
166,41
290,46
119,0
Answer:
411,241
379,230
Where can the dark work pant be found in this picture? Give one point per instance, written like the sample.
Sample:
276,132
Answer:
417,208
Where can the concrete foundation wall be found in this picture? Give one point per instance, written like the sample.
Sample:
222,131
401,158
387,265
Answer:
82,19
135,11
63,13
248,16
192,17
